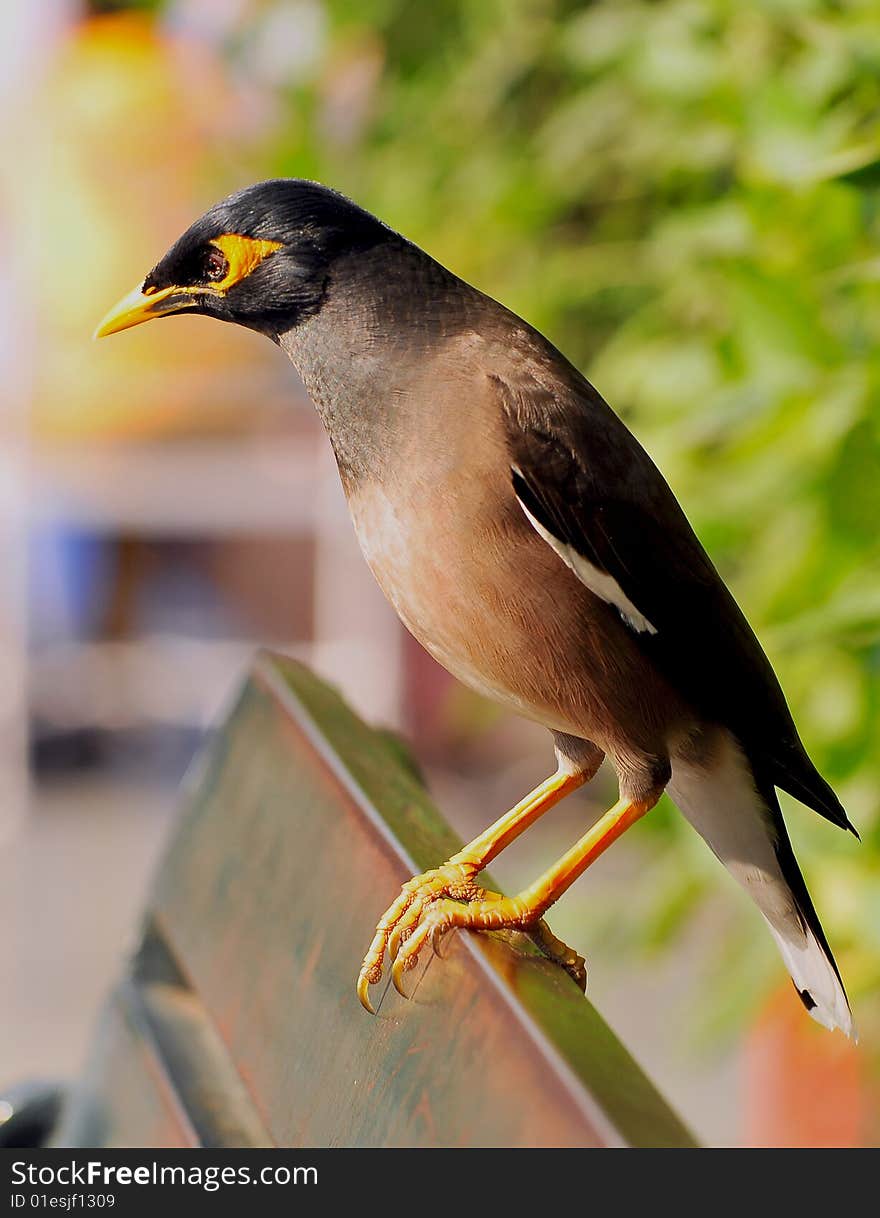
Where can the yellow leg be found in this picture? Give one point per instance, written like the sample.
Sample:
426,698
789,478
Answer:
528,907
483,849
455,877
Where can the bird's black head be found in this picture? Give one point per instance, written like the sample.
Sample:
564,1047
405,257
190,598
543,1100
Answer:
260,258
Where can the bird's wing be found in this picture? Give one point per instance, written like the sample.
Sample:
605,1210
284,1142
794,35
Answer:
596,497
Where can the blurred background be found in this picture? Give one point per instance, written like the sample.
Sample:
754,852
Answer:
685,197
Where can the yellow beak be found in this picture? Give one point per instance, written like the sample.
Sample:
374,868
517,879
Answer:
139,306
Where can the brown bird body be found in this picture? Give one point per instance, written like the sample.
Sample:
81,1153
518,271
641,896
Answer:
530,544
447,541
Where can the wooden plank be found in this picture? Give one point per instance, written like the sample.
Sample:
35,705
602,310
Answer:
125,1097
159,1074
301,825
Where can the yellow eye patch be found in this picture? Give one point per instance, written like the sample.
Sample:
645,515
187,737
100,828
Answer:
237,258
243,255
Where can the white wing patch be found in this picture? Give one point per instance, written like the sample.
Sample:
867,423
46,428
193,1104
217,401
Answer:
599,582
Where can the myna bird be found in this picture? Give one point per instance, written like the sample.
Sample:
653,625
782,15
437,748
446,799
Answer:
531,545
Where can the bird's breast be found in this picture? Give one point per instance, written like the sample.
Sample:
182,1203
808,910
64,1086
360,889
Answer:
468,582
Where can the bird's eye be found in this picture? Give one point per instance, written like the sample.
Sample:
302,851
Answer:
215,265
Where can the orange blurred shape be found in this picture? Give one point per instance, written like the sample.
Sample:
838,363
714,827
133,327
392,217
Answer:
804,1086
120,147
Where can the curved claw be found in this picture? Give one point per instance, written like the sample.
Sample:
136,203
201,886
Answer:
398,968
397,971
363,992
371,969
395,940
577,970
437,936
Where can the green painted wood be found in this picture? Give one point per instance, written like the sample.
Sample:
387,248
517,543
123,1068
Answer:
125,1096
300,824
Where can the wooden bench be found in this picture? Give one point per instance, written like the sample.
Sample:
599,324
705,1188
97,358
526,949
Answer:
237,1024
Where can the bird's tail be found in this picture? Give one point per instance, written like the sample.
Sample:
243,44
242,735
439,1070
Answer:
793,772
741,821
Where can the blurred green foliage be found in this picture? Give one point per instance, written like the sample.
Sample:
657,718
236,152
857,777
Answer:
685,197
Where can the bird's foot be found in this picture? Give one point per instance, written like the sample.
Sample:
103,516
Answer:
496,913
560,953
452,880
490,911
441,916
430,905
